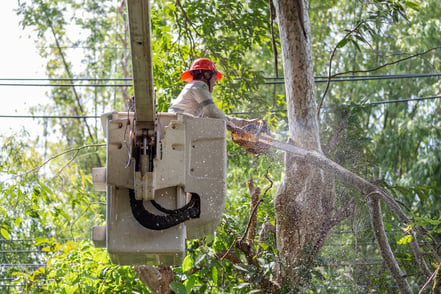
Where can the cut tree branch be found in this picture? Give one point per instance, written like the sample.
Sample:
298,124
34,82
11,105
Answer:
368,189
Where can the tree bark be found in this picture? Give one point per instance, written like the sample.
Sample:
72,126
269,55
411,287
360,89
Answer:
304,203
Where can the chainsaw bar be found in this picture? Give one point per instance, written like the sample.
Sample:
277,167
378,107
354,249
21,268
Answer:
256,139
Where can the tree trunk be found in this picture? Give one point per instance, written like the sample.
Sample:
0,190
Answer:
304,203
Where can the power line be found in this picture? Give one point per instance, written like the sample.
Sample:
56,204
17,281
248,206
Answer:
48,116
355,78
64,85
233,113
402,100
66,79
322,79
361,105
268,80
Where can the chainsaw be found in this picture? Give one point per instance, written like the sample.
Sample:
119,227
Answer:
256,139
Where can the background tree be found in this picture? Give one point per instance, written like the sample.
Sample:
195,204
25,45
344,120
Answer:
357,129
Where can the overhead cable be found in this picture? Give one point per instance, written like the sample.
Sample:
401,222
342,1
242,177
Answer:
48,116
360,104
355,78
63,85
268,80
232,113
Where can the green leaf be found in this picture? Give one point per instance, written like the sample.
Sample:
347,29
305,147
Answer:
18,221
422,221
47,249
412,5
5,234
263,245
214,274
36,191
178,287
189,284
405,240
40,240
361,38
342,43
187,264
356,45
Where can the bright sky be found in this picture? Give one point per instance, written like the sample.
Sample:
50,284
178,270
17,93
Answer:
18,59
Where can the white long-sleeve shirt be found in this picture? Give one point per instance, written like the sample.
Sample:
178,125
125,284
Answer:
195,100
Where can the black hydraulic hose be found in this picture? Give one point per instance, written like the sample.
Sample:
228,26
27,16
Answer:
161,222
173,211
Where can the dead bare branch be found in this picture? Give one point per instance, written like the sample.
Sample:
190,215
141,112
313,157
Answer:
254,197
226,254
157,279
254,209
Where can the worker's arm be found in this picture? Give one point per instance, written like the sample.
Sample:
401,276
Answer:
234,124
209,109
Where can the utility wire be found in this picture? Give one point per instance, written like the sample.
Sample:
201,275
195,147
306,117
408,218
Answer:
268,80
65,79
48,116
355,78
318,79
401,100
233,113
361,105
63,85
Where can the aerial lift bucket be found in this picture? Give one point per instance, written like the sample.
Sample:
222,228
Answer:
190,160
165,177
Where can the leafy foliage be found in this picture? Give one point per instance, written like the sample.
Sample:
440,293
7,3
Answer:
395,144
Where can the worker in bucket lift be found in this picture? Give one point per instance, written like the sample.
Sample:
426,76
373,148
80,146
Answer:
195,99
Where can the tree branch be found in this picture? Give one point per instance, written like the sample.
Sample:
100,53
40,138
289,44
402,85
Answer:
63,153
330,68
189,23
274,46
254,209
368,189
156,279
430,280
254,196
76,95
383,243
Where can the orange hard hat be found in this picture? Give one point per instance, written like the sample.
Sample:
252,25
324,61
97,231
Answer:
200,64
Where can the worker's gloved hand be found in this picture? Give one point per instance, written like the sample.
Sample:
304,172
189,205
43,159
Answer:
243,122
